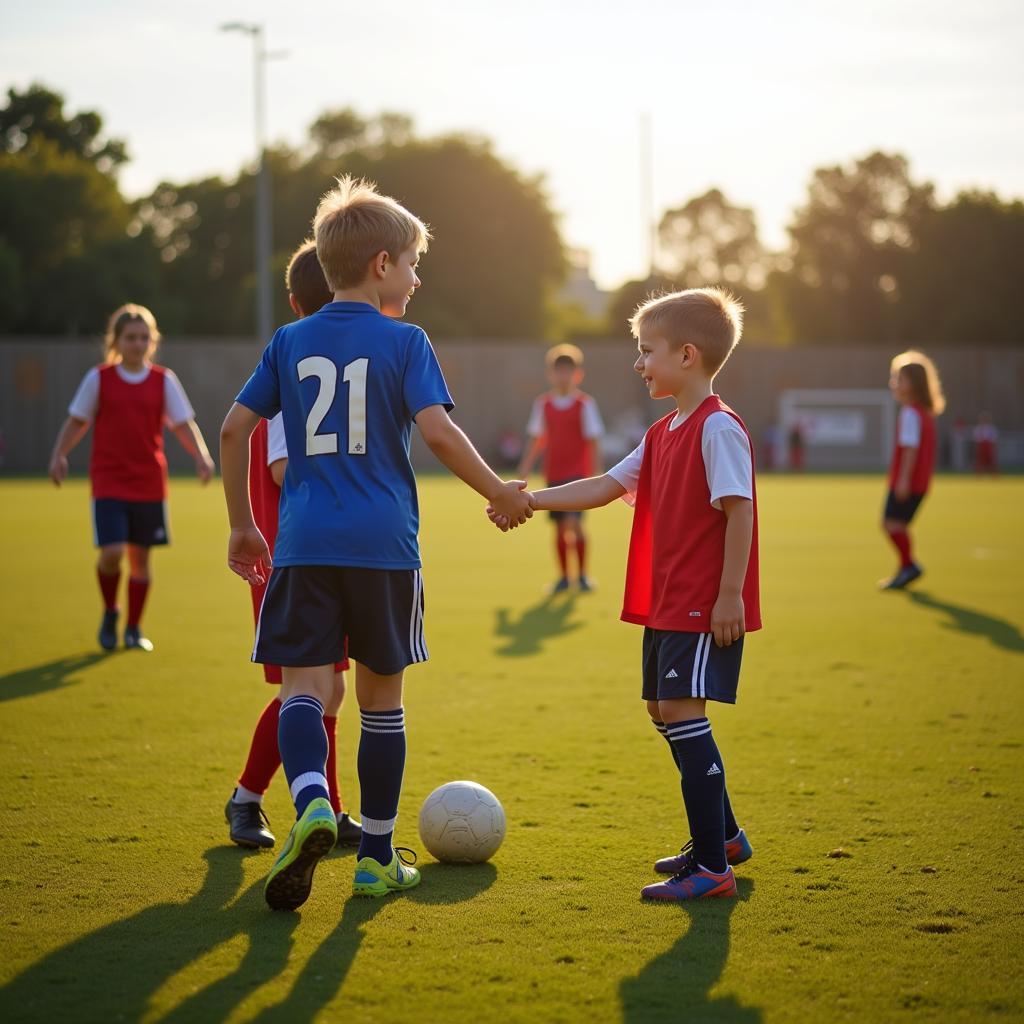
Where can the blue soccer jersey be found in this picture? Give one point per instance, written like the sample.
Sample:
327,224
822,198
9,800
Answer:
348,381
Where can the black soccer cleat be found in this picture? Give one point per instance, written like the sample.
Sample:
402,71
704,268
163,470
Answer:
246,825
108,630
135,641
350,832
906,575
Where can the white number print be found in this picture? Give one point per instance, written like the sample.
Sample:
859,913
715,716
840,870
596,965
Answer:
326,372
322,368
355,377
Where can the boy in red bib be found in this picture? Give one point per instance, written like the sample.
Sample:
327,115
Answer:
268,460
565,425
128,400
691,578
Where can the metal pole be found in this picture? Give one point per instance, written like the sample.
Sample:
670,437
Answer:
650,228
264,242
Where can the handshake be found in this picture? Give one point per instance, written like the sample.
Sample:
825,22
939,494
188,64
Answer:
511,506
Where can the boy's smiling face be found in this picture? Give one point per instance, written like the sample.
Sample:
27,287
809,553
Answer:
661,365
399,283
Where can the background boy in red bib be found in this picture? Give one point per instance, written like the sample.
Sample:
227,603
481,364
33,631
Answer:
691,578
268,459
565,425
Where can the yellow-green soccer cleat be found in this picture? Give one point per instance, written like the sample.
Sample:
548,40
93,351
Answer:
313,836
374,880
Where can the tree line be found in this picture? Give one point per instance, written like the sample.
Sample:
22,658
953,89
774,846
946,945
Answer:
873,256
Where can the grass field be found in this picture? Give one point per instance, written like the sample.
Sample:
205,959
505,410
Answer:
874,758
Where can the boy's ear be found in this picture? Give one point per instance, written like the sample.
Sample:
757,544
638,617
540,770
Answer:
689,353
380,263
294,303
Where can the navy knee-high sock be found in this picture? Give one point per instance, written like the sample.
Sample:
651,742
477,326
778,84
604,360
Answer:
703,783
303,744
732,829
381,764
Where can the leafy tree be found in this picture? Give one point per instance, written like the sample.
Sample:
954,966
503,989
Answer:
708,241
37,115
962,284
851,243
66,255
495,258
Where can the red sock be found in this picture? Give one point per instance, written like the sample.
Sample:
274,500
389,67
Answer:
137,590
108,587
331,769
901,542
264,757
581,553
563,553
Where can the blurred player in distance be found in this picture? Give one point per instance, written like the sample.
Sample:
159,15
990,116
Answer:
985,436
268,458
128,400
692,571
565,427
350,381
914,383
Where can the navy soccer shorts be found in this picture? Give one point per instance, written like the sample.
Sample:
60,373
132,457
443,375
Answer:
308,610
902,510
571,516
678,665
129,522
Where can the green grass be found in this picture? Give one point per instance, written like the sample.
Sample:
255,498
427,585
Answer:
887,726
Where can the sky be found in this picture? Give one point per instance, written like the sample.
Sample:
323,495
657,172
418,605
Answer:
746,96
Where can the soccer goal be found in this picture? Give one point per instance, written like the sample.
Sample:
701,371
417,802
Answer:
838,428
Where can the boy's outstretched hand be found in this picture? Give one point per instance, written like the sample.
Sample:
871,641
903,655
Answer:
249,556
511,506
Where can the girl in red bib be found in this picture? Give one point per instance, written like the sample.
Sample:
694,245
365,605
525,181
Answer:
915,384
128,400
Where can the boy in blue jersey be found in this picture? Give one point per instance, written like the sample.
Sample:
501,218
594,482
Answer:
349,381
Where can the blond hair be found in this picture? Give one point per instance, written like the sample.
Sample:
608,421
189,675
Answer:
710,319
354,222
558,353
923,377
119,320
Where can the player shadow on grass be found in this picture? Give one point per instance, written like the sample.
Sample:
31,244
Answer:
543,621
320,980
676,986
1000,632
54,675
113,973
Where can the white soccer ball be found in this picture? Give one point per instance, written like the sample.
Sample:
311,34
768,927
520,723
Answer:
462,823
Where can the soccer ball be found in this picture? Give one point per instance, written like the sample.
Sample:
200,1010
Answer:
462,823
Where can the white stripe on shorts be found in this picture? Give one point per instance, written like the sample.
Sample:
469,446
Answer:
708,641
694,681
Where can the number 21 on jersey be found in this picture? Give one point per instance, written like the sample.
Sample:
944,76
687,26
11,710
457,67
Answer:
354,374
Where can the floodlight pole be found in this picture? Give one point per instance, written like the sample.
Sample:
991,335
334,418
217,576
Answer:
264,241
650,228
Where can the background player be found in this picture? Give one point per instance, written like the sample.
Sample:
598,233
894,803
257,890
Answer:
268,459
350,381
914,382
128,400
692,574
565,425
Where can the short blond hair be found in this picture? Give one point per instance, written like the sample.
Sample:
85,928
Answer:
353,223
710,319
130,312
923,377
559,353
